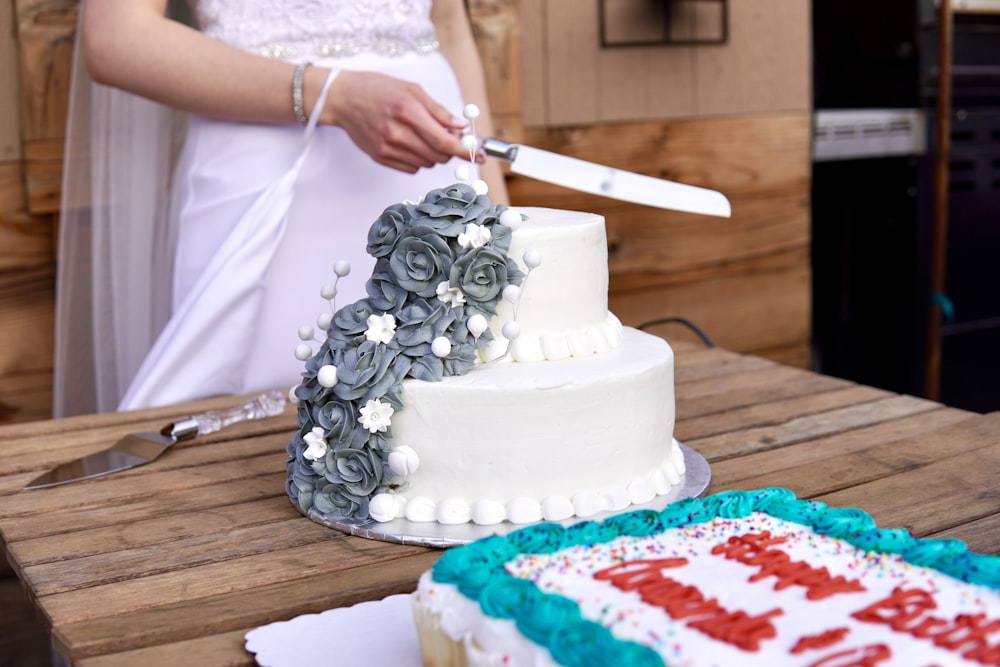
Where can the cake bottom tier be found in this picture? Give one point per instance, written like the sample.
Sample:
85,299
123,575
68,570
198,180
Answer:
524,442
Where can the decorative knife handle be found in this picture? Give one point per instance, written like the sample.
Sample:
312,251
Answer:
498,149
268,404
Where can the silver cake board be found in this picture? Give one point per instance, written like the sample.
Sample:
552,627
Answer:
696,477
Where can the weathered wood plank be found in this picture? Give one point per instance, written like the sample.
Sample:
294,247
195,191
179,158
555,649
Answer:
767,385
117,495
745,430
145,560
774,426
930,497
222,650
827,464
246,609
335,552
167,529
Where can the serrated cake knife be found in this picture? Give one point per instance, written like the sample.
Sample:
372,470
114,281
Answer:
136,449
597,179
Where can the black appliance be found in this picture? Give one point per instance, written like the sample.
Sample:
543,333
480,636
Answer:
875,97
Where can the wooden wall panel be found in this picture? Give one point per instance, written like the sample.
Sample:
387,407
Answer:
763,67
35,83
46,31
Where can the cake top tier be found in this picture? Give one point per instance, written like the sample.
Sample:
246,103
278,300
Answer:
562,309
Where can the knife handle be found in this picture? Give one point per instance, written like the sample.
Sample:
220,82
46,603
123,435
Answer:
498,149
269,404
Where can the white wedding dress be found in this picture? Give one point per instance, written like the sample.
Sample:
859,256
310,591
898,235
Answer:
261,213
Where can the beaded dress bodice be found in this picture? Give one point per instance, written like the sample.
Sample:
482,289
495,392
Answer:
293,29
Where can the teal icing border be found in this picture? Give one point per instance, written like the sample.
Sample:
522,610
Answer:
555,622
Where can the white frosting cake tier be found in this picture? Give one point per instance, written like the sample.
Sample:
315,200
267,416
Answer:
483,379
525,442
563,309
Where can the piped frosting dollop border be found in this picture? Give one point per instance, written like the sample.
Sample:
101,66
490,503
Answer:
556,623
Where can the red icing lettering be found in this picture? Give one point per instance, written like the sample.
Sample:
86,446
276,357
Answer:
633,574
868,656
908,611
754,549
822,640
681,602
738,628
899,610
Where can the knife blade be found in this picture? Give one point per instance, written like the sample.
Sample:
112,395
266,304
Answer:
598,179
137,449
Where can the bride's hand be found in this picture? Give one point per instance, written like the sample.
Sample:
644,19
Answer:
393,121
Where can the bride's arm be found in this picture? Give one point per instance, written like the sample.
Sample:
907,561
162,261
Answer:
132,45
455,36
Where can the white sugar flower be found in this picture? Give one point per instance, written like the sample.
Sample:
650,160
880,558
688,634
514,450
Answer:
376,416
450,295
381,329
317,444
474,236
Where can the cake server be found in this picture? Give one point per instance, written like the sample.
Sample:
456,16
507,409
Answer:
597,179
136,449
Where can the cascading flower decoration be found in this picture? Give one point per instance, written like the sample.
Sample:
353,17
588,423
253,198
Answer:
441,267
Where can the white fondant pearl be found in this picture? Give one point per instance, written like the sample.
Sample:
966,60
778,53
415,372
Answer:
661,483
588,503
463,173
384,507
476,325
511,330
327,376
324,320
511,293
580,344
556,508
510,218
452,511
420,509
487,512
480,186
601,344
328,291
404,461
303,352
469,142
306,332
613,332
641,491
471,112
532,259
524,510
617,497
526,349
441,347
292,398
677,457
554,347
342,267
670,470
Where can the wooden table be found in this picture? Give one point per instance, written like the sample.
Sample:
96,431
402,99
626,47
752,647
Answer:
171,563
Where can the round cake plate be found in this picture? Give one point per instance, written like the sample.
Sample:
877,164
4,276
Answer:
696,477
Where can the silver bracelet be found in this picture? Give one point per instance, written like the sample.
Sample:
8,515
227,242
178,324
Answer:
298,106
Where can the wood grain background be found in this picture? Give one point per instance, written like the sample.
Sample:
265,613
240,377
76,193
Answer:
745,281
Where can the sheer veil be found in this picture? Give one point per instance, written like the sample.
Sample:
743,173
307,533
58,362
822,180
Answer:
115,249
